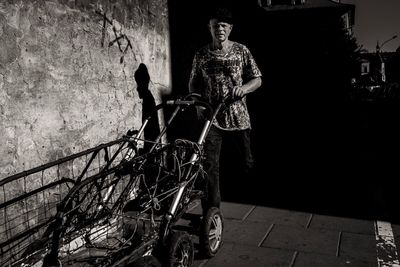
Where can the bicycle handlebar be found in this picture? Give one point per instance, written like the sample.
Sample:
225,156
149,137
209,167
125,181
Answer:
180,102
187,101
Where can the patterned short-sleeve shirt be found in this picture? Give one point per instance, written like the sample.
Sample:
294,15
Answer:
215,75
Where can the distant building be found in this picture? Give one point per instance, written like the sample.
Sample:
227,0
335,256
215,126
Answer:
347,11
379,66
378,77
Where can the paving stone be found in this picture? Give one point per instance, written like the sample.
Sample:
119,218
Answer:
235,255
358,246
396,234
234,210
396,230
318,260
397,242
199,262
316,246
279,216
229,210
342,224
303,240
244,232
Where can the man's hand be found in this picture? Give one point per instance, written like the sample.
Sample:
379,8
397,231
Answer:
238,92
201,113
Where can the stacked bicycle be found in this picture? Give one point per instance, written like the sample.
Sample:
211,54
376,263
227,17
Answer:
128,212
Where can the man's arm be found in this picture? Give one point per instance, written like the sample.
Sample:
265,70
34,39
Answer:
247,88
194,76
192,88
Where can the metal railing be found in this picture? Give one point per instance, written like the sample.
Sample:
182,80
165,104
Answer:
29,200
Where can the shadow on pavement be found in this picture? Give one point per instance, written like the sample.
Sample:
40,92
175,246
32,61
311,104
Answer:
364,190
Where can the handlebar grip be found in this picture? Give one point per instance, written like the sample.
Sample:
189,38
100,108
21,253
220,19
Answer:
180,102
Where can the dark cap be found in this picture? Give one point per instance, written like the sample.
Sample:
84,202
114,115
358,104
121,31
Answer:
222,14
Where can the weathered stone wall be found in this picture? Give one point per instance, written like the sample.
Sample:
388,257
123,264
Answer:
63,87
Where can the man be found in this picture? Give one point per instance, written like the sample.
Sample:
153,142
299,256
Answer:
222,69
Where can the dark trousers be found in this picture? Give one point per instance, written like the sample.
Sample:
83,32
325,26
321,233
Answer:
240,142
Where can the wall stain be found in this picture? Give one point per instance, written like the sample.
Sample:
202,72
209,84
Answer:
123,42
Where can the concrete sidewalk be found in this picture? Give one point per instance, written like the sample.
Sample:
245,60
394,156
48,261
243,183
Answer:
262,236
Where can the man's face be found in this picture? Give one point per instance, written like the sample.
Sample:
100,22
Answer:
219,30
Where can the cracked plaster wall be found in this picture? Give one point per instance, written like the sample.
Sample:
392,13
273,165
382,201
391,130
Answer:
61,90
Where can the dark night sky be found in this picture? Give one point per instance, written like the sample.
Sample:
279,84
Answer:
377,20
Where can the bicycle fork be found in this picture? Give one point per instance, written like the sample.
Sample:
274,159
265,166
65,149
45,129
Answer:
182,185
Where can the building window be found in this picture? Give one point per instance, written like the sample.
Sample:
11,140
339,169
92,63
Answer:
346,23
364,68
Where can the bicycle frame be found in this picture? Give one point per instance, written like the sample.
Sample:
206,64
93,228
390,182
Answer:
94,201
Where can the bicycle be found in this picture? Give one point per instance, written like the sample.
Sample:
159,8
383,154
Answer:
129,210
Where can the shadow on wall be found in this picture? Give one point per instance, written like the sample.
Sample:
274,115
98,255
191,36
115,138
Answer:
152,129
